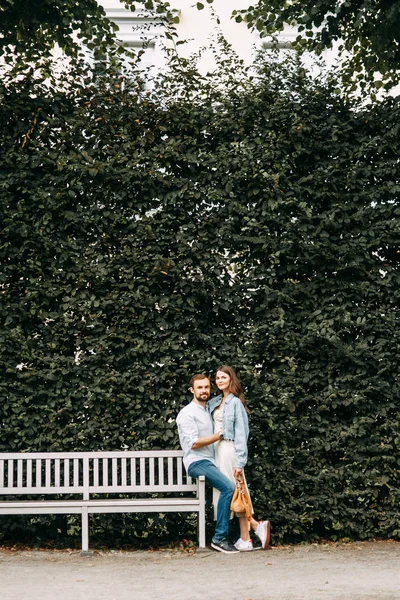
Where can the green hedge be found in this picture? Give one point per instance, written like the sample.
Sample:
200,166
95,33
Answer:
154,230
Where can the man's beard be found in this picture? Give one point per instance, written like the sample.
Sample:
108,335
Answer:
202,397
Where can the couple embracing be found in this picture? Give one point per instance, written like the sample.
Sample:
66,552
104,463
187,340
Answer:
213,435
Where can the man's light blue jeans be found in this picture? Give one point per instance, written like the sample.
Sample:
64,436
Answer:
224,485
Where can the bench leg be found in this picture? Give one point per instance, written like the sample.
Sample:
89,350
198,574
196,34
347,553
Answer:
202,512
85,530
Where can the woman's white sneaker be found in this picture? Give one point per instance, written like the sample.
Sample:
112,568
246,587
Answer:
244,546
263,531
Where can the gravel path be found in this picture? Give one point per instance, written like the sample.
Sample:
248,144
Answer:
362,571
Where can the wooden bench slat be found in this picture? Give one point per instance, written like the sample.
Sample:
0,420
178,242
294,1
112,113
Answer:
50,504
133,471
38,473
170,471
19,473
105,471
47,473
95,471
91,454
142,462
160,471
29,473
75,471
123,472
57,472
114,464
10,473
179,470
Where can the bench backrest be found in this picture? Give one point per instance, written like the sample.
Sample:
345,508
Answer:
94,472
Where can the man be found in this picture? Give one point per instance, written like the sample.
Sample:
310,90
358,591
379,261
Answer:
197,438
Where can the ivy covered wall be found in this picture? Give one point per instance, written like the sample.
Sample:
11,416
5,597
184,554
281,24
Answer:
153,230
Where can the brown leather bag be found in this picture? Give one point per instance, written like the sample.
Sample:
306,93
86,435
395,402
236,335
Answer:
241,503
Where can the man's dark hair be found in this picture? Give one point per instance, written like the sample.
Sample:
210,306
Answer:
197,377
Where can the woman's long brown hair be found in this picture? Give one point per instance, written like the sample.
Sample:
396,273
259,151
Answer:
235,385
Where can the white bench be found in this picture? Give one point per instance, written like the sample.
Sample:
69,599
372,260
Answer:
158,477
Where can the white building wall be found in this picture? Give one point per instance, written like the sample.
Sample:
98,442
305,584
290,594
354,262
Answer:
197,27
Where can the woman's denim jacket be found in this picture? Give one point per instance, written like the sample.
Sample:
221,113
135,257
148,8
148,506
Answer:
235,424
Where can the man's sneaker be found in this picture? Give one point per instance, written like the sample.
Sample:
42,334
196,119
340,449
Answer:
244,546
263,531
224,546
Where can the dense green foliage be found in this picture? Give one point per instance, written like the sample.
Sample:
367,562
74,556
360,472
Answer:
368,33
31,29
148,233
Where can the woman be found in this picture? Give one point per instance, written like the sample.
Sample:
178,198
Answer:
229,412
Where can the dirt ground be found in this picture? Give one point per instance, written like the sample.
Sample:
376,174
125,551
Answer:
356,571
